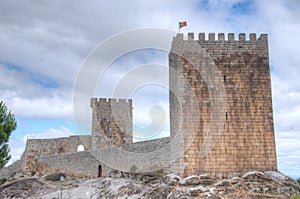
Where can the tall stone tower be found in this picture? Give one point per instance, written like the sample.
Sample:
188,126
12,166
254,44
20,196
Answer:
221,105
111,122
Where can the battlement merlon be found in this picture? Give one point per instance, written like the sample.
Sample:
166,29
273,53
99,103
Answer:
221,37
108,101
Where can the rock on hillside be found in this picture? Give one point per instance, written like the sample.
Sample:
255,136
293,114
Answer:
252,184
21,188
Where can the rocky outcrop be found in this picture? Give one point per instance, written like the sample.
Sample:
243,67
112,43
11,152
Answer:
9,171
54,176
21,188
252,184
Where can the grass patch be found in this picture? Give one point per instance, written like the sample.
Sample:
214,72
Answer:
2,181
133,169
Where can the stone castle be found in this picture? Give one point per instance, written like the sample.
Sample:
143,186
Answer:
221,118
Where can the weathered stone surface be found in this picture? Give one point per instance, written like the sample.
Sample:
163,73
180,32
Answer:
10,171
207,179
54,176
256,176
171,179
190,180
160,192
137,186
224,183
225,191
100,188
21,188
116,174
151,178
234,180
188,192
253,174
276,175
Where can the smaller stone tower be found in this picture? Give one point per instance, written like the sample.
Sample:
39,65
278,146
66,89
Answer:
111,122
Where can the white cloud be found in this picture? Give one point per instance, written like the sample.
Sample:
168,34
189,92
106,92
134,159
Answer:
288,150
48,108
49,133
27,98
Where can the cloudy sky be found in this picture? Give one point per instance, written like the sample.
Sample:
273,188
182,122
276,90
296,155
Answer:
44,43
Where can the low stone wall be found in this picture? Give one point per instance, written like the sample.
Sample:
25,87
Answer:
146,146
147,156
36,148
79,164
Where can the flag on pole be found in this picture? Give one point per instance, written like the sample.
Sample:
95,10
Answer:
182,24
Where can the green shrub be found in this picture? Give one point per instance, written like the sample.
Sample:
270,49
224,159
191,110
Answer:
298,180
161,172
133,168
2,181
296,197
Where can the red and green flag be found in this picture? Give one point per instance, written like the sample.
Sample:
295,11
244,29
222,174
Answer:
182,24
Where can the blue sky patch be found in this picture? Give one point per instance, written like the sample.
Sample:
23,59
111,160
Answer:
43,82
35,125
243,8
35,78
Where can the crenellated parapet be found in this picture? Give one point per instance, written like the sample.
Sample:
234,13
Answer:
218,45
221,37
100,101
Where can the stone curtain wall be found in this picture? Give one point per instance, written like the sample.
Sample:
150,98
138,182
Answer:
36,148
147,156
79,164
111,122
246,141
146,146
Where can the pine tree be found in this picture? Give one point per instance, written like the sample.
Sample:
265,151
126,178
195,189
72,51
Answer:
7,125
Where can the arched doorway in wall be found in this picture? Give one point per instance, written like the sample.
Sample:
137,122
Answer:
80,148
99,171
